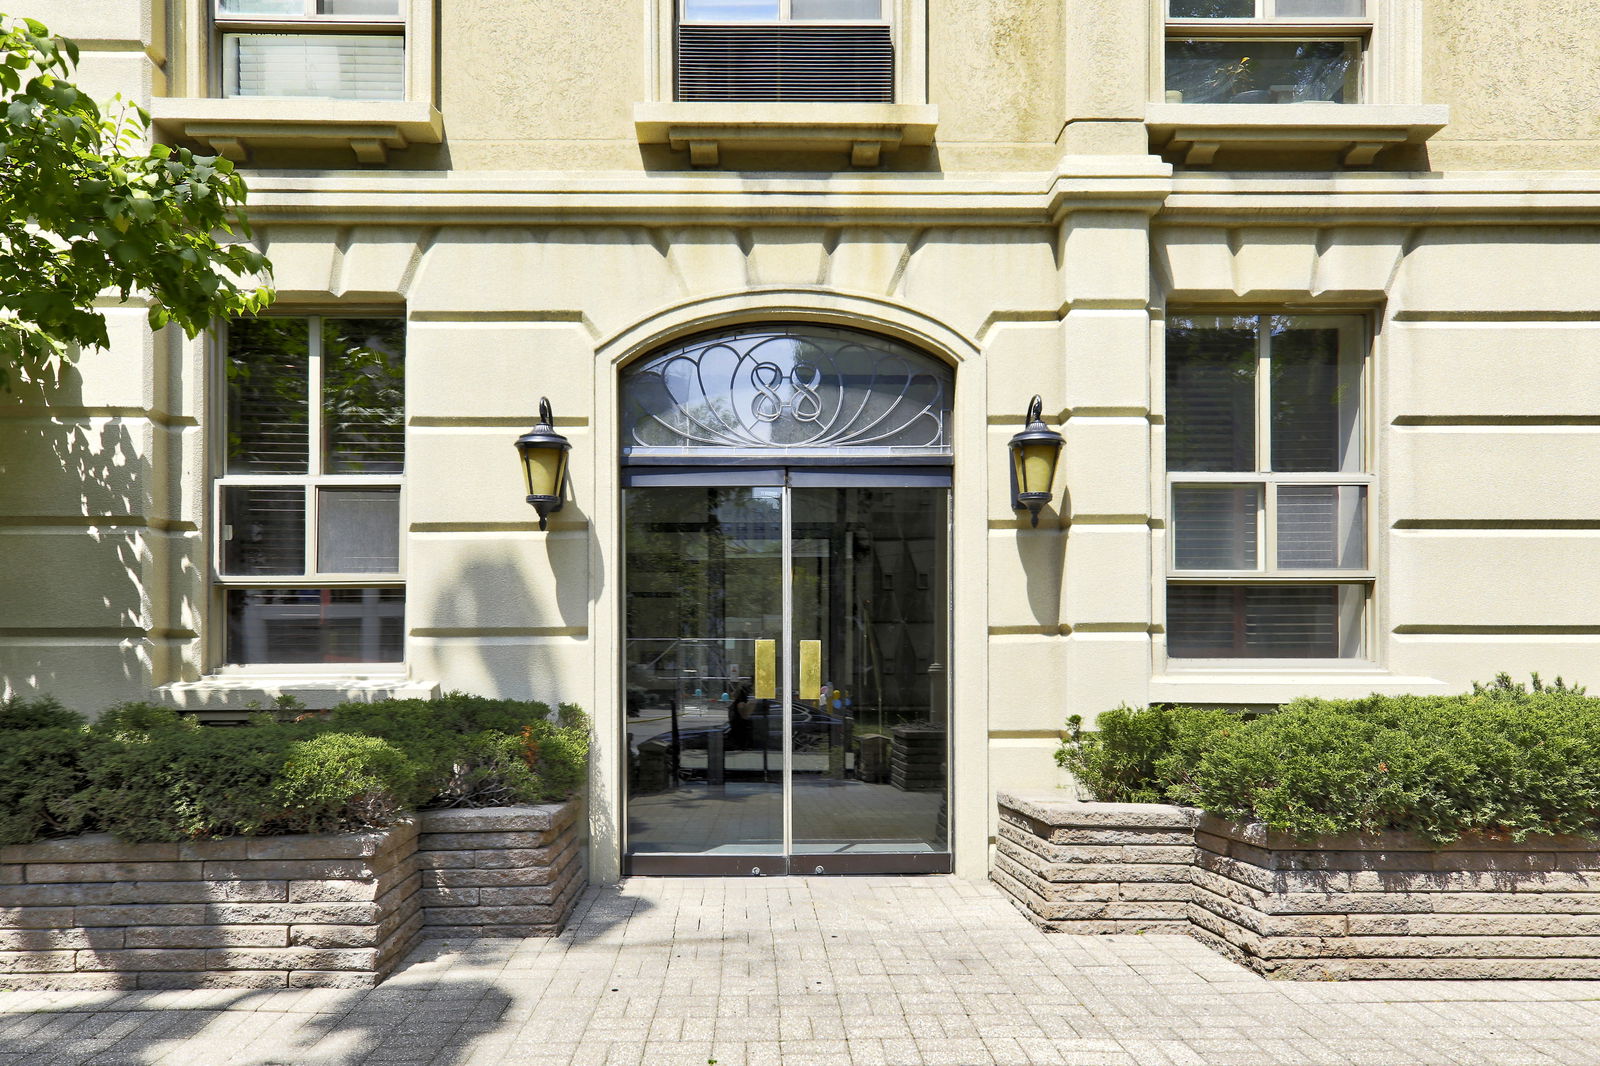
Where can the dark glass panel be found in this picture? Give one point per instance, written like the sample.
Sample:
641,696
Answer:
1314,401
363,395
264,529
269,398
316,625
705,745
1211,394
1263,621
358,531
1207,71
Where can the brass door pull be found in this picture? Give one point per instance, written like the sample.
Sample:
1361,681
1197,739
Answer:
810,670
766,686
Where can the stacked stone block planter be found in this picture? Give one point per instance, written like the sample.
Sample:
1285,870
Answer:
1385,905
328,911
502,871
331,911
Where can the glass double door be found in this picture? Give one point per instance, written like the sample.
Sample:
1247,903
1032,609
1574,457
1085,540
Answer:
786,694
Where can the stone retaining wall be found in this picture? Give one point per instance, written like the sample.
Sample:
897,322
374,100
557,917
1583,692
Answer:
503,871
1388,905
329,911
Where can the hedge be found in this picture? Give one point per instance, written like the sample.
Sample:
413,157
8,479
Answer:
1499,760
146,773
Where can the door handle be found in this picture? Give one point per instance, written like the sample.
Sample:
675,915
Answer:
766,679
810,670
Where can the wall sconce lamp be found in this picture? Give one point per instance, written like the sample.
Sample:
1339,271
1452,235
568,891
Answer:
544,463
1033,462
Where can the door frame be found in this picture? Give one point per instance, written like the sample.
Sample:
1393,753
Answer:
910,473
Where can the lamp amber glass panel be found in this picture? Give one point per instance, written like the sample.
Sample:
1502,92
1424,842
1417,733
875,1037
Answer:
704,593
1036,466
541,470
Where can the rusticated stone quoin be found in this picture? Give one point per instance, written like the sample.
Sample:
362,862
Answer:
328,911
1385,905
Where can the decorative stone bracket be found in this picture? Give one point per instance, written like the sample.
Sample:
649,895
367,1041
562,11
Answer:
233,127
1193,133
865,132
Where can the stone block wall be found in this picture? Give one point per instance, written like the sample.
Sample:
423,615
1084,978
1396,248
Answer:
331,911
328,911
501,871
1384,905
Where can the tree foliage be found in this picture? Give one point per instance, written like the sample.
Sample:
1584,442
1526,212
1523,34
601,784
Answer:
84,209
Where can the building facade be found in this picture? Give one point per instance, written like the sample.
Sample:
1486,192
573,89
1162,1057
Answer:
1307,286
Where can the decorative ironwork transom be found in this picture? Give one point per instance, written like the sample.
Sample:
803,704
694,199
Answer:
787,391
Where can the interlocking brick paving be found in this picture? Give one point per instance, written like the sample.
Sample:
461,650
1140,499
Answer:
872,971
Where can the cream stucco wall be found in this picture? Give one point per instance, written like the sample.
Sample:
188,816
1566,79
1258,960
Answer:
1035,246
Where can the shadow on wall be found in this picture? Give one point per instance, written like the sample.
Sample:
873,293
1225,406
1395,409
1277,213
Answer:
398,1020
1042,554
87,556
507,612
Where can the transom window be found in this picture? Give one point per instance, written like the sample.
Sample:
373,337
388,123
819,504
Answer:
308,547
340,49
1268,495
790,392
1266,51
784,50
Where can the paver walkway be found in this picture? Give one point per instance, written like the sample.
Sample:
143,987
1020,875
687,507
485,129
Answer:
887,971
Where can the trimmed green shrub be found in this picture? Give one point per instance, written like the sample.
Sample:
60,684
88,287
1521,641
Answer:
41,713
1498,760
147,773
344,781
131,721
189,784
42,780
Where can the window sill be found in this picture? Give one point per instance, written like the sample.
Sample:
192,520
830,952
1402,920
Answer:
1262,682
233,127
864,132
233,689
1194,133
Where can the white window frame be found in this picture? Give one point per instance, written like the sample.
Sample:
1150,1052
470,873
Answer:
310,483
907,21
414,79
1354,330
786,19
1267,25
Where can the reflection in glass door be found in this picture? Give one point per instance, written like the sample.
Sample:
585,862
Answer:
798,725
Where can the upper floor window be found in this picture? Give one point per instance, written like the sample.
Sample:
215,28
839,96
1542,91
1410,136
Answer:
1268,492
784,50
308,502
339,49
1266,51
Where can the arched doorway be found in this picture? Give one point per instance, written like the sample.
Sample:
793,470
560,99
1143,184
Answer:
786,498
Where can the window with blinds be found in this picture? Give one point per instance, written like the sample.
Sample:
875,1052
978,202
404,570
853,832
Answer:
784,50
308,502
333,49
1269,498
